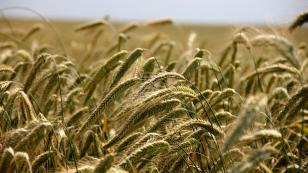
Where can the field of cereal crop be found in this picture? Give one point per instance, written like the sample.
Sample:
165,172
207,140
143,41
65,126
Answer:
152,96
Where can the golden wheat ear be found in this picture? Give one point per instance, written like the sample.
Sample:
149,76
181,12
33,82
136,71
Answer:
34,71
132,57
34,137
22,162
148,68
40,160
299,21
261,135
160,77
276,68
91,25
105,164
154,148
163,121
223,116
191,68
33,30
102,73
253,159
139,115
106,101
226,93
91,138
6,69
6,159
76,116
234,154
301,94
281,44
84,169
128,141
159,22
129,28
245,119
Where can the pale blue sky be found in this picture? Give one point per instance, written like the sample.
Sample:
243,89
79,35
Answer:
191,11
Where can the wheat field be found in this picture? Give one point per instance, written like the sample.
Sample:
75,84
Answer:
153,96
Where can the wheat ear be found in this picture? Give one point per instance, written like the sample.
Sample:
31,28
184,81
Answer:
106,101
31,32
34,71
33,138
40,160
299,21
22,162
153,148
91,25
104,164
166,119
6,158
132,57
253,159
243,122
140,115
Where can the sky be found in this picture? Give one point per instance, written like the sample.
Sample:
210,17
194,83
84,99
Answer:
183,11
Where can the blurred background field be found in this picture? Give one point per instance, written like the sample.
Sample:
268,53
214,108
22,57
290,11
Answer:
213,37
214,22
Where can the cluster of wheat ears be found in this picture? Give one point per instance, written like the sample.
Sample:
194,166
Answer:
166,107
